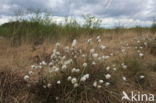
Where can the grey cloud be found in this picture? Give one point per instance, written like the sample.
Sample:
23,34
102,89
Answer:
135,9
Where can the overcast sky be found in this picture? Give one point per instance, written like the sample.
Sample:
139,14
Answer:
112,12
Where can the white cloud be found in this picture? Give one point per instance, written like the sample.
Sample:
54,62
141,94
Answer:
112,22
112,12
2,21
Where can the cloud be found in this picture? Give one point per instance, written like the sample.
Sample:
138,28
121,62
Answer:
4,19
136,10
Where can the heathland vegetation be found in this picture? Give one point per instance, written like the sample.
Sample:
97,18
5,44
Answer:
42,61
40,26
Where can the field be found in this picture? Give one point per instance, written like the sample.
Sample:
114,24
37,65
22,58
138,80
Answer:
94,67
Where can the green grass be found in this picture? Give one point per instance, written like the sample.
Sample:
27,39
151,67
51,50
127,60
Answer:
36,32
40,27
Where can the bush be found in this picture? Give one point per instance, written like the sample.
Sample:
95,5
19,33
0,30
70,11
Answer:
73,75
40,26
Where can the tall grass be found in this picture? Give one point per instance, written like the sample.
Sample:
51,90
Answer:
153,27
40,26
90,70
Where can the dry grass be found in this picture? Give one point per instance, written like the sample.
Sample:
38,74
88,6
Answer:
11,86
16,61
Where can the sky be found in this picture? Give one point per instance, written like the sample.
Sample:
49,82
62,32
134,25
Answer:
112,12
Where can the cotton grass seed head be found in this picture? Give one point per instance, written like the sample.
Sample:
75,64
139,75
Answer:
26,77
92,50
124,78
142,76
101,81
49,85
30,72
76,85
58,82
107,76
107,84
73,80
74,43
95,55
84,64
99,86
57,44
69,78
141,54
